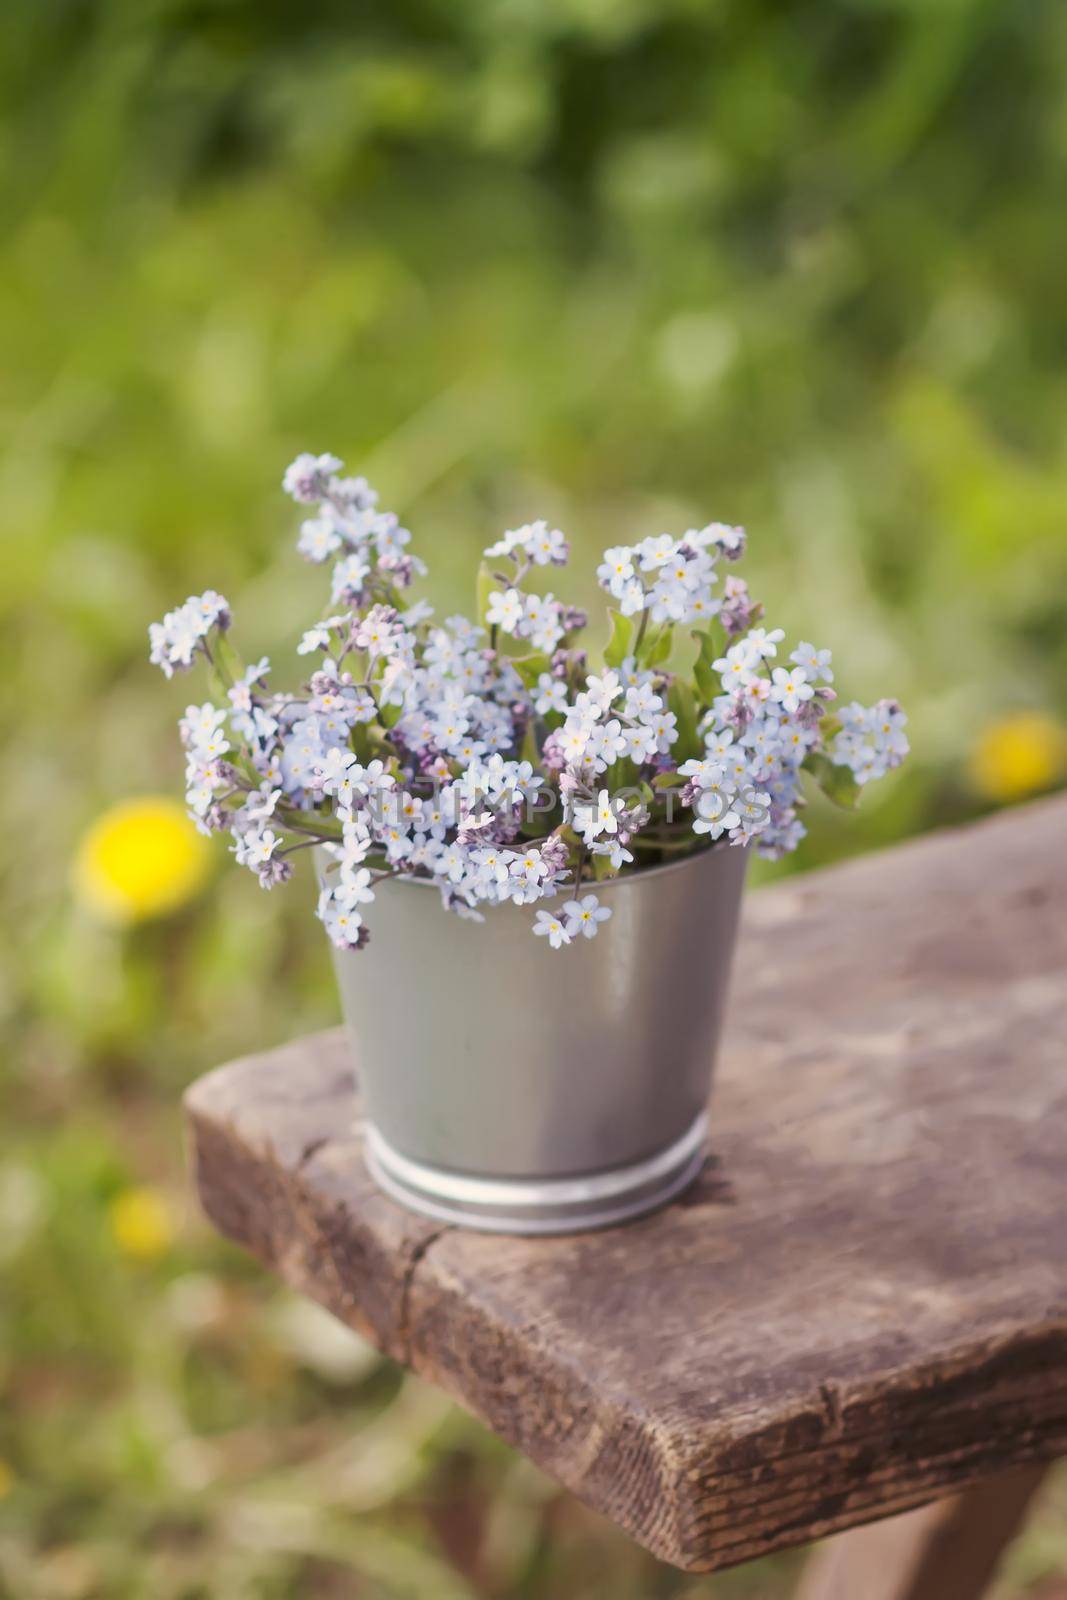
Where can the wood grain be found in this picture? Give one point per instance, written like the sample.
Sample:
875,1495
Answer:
945,1551
861,1306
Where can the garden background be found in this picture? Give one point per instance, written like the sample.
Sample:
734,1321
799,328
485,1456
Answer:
627,264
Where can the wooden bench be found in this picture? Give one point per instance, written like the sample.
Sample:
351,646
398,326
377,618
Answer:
860,1307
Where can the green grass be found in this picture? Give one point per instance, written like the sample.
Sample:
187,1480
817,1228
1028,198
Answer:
618,262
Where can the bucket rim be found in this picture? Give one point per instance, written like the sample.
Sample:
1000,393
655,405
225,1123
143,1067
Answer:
715,851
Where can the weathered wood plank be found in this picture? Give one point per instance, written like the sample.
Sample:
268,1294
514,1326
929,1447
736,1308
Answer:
862,1304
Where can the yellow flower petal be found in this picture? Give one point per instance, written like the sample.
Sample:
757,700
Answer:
141,1224
142,858
1019,755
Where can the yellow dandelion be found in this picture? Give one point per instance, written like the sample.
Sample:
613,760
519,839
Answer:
1018,755
141,1223
142,858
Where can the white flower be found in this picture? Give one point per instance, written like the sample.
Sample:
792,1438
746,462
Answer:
200,725
353,494
511,541
449,730
318,637
341,923
714,810
757,690
591,820
753,813
737,666
605,742
536,541
349,576
704,773
607,820
584,916
173,642
550,926
791,688
506,610
889,723
334,769
452,863
354,889
633,598
318,539
493,866
615,573
307,478
573,743
529,866
656,552
389,537
354,848
763,644
601,691
664,726
669,601
541,622
642,701
202,784
639,743
211,747
260,805
730,540
718,743
451,715
551,694
256,846
240,696
816,663
547,545
616,853
702,605
872,739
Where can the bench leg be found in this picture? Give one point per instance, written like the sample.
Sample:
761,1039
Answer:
946,1551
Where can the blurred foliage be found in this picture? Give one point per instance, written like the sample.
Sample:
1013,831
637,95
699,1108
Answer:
623,263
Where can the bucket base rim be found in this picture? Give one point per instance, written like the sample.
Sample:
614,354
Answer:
537,1206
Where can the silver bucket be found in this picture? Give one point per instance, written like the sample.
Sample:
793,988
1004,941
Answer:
518,1089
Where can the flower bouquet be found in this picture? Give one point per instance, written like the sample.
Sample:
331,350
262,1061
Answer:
506,1086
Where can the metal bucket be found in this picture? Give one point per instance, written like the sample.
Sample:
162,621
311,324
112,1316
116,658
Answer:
518,1089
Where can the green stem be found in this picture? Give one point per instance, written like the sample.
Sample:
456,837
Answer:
641,626
322,833
643,841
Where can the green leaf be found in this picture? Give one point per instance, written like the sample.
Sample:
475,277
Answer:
227,660
531,750
659,643
837,783
708,682
390,715
360,743
669,780
683,704
622,632
530,668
